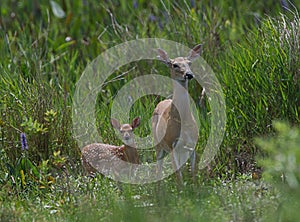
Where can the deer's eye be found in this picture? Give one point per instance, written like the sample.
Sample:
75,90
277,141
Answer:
175,66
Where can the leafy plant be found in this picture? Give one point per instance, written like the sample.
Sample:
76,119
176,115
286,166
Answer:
283,155
282,167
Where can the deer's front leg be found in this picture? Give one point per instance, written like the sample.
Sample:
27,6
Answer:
160,153
184,148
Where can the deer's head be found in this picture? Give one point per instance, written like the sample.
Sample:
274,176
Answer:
126,130
180,66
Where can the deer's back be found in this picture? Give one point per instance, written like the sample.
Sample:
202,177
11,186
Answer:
97,156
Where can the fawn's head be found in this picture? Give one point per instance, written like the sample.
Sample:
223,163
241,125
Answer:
126,130
180,66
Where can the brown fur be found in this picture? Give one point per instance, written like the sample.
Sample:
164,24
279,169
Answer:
167,122
100,157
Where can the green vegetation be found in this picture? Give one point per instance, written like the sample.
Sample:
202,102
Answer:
282,168
253,47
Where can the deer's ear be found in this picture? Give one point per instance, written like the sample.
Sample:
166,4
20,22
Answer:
136,122
115,123
195,52
163,56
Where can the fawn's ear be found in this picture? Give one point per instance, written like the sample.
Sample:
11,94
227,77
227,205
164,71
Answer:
195,52
115,123
163,56
136,122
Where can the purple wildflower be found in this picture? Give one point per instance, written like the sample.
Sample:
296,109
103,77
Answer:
24,141
160,25
152,18
284,5
193,4
135,4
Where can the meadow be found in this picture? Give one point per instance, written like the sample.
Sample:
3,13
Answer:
252,47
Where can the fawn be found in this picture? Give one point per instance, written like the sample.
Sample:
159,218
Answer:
99,157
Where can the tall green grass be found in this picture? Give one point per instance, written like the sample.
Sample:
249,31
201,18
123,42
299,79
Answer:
252,48
261,79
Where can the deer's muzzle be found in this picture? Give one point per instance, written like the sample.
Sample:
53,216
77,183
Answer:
189,75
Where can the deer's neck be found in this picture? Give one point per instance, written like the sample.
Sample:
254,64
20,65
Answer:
180,101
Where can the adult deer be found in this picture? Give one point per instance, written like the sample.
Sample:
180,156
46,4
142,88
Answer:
105,157
173,124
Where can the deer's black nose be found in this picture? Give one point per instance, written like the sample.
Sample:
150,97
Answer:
189,75
126,136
